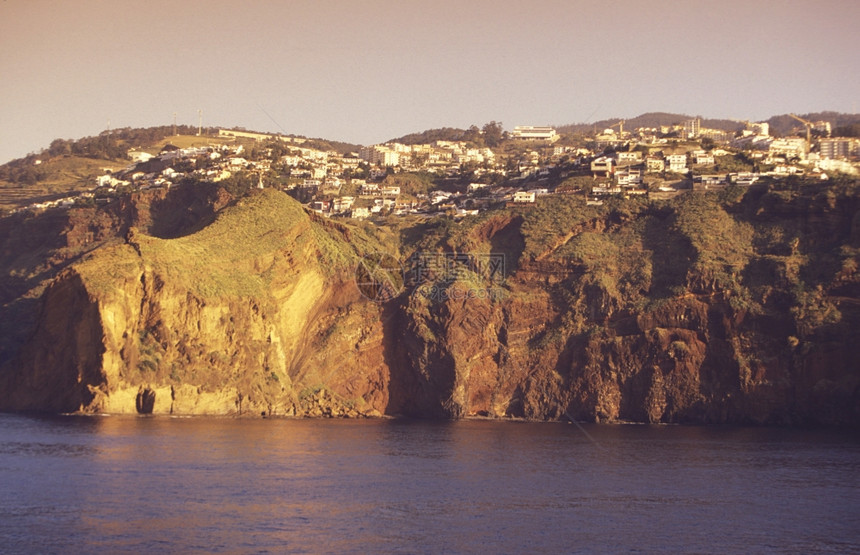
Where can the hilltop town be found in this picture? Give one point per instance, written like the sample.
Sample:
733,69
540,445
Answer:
485,169
646,273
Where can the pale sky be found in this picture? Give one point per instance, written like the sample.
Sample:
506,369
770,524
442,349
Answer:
366,71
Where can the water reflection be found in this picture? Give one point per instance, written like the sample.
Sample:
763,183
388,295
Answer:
143,484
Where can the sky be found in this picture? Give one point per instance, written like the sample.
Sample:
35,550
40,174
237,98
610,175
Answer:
366,71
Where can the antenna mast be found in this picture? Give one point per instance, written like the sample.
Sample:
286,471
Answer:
199,122
174,123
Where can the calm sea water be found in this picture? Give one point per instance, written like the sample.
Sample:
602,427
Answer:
140,485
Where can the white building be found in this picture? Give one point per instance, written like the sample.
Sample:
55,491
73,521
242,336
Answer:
628,178
633,157
822,127
654,164
534,133
791,147
744,178
360,213
342,204
836,165
381,155
703,159
603,166
676,163
368,189
524,196
139,156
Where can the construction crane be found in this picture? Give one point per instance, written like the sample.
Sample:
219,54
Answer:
809,125
620,126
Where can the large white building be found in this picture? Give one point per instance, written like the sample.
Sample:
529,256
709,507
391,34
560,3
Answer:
534,133
792,147
380,155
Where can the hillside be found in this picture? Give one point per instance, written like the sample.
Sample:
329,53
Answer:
786,125
430,135
738,307
780,125
650,120
69,167
52,179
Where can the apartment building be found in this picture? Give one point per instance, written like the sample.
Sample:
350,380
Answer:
839,147
791,147
676,163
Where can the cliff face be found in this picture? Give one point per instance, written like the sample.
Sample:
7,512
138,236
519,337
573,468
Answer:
35,248
708,311
742,309
231,319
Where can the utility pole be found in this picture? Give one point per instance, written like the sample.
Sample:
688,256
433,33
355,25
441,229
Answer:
174,123
199,122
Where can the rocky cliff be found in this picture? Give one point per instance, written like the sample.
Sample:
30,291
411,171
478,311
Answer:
734,308
236,318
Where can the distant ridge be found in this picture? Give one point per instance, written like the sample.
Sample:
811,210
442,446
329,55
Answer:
649,119
785,124
780,125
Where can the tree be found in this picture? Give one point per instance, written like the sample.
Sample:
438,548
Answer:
467,170
59,147
278,148
473,135
852,130
239,184
493,133
733,163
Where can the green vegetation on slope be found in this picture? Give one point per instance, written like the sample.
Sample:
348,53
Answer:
235,255
54,178
551,221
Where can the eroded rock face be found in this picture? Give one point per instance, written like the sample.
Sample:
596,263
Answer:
259,314
36,248
159,326
65,357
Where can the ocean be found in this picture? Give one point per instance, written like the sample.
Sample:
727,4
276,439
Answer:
116,484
